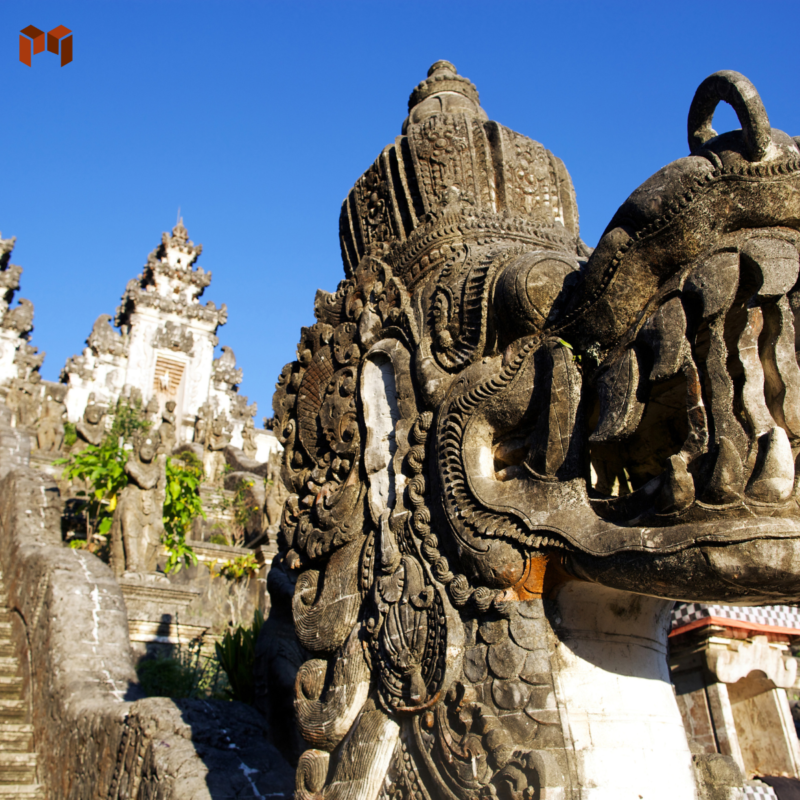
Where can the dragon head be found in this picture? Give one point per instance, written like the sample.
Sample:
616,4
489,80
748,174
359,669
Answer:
486,409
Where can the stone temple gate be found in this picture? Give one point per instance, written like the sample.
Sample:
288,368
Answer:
161,346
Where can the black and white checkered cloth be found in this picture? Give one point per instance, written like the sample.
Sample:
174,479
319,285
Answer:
755,789
778,616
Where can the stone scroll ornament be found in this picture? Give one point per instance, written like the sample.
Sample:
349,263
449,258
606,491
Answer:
488,417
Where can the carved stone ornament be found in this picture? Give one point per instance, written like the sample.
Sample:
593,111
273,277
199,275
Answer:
219,433
497,440
28,360
104,339
138,518
174,337
50,427
249,438
202,423
91,429
9,275
167,431
20,318
225,374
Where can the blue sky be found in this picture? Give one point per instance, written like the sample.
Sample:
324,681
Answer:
257,117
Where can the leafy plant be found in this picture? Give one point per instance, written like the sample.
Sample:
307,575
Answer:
218,538
188,673
100,547
236,655
242,507
70,435
129,418
575,356
102,470
240,567
182,505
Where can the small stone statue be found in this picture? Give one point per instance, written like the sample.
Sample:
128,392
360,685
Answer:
249,441
23,400
138,525
201,425
167,429
50,435
151,411
133,395
276,492
217,439
91,429
220,434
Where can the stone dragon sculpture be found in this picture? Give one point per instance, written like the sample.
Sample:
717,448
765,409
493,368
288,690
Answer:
486,412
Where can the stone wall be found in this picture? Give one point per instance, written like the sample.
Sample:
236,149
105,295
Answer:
95,733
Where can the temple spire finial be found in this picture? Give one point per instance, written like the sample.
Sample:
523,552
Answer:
444,90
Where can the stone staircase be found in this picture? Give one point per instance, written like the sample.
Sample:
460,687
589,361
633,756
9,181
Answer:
17,756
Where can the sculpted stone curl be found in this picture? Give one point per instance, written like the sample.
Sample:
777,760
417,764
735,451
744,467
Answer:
508,454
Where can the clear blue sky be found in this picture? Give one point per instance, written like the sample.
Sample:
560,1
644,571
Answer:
257,117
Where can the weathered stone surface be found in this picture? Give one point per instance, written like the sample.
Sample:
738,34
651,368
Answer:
91,429
138,518
498,438
222,602
95,735
278,658
718,777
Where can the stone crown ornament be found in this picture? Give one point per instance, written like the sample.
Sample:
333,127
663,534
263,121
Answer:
453,174
443,77
508,454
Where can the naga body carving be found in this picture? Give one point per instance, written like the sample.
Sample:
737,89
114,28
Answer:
497,439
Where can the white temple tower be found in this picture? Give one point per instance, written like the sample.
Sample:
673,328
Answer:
163,347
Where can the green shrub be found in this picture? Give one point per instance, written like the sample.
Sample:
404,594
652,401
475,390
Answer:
70,435
102,470
236,655
240,567
129,419
181,506
188,673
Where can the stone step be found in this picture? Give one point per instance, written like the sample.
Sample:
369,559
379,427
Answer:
13,711
9,667
7,649
17,768
28,791
16,738
10,687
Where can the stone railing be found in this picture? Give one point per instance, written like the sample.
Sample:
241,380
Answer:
95,733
